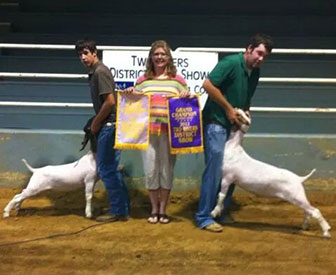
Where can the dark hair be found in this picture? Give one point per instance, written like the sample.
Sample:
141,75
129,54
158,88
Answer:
86,44
171,69
264,39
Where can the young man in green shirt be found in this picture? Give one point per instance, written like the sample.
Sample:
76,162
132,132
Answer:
230,85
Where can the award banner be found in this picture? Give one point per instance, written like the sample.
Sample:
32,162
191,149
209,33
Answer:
132,122
185,125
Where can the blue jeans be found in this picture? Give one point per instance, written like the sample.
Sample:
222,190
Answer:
107,165
215,137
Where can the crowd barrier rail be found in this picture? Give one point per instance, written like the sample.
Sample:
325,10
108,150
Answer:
287,80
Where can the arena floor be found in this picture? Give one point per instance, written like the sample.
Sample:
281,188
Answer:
51,236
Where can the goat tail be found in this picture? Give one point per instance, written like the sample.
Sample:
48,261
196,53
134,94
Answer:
31,169
304,178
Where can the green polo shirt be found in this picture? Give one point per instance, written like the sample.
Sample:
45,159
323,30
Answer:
231,77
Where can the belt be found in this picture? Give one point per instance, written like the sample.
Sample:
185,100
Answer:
214,122
109,124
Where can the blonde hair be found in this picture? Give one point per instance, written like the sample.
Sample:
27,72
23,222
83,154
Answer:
171,69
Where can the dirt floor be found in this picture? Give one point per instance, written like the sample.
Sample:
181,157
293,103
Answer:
51,236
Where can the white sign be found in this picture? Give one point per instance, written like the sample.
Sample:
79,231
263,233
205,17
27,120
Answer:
127,66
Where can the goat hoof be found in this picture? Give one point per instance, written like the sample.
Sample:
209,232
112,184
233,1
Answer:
5,215
326,235
214,213
306,227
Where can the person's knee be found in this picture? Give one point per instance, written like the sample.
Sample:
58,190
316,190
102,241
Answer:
167,185
152,185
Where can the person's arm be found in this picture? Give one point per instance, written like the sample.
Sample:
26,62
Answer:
255,77
215,94
104,112
185,93
183,87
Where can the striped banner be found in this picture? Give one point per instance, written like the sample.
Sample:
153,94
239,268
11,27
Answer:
132,123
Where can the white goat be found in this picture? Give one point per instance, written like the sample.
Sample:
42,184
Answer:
64,177
263,179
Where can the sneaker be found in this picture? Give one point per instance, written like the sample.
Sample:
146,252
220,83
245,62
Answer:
213,227
110,218
227,219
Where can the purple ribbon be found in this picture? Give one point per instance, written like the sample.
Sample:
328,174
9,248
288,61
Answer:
185,128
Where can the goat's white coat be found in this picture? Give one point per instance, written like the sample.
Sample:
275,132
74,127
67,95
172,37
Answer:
64,177
263,179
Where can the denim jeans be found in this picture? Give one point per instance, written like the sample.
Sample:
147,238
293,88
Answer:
215,137
107,165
